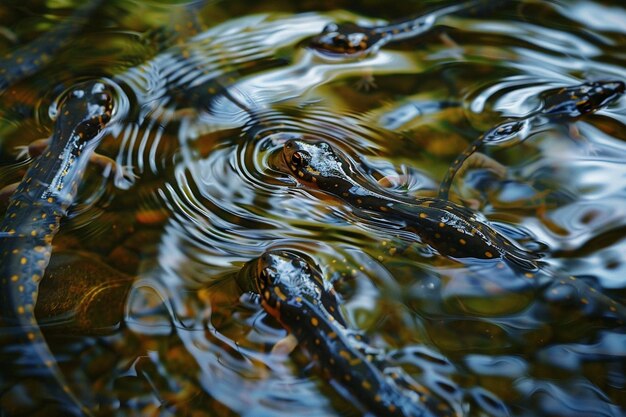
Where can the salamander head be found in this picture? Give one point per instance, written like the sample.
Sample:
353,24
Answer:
582,99
344,39
83,113
313,162
284,279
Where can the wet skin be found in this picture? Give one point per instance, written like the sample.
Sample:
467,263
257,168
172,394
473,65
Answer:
558,105
29,59
349,40
294,292
31,221
453,230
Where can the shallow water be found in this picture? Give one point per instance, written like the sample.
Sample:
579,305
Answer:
209,91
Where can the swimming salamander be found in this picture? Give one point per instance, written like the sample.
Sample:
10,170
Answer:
31,221
451,229
295,293
559,104
348,40
29,59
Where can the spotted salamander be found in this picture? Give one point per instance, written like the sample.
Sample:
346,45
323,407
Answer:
294,292
345,40
32,219
29,59
558,105
451,229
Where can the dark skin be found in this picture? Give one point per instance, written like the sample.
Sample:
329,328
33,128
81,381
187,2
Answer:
29,59
349,40
294,292
558,105
35,211
453,230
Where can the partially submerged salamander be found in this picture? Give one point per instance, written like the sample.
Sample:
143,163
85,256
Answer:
352,40
451,229
295,293
32,219
560,105
28,59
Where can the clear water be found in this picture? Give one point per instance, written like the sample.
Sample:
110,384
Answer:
208,86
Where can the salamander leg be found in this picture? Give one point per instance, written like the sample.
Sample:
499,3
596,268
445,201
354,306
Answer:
33,149
367,82
6,192
124,176
285,346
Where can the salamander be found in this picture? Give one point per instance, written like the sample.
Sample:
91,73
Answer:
35,210
295,293
451,229
349,40
557,105
29,59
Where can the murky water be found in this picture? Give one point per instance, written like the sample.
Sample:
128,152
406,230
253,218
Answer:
206,93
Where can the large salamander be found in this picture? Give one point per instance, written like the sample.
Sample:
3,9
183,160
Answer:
451,229
294,292
31,221
558,105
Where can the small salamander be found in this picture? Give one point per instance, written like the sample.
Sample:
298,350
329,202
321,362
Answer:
349,40
560,105
451,229
29,59
31,221
295,293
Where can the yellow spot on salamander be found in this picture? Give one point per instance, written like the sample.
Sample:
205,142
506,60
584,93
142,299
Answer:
314,321
15,278
488,254
462,241
423,215
23,261
31,336
366,385
345,354
280,294
20,310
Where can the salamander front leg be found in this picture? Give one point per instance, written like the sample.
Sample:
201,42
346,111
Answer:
285,346
33,149
123,175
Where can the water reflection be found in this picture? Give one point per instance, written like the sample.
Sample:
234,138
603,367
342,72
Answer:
203,196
